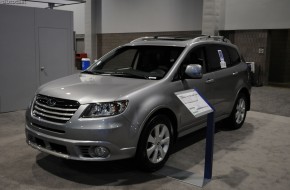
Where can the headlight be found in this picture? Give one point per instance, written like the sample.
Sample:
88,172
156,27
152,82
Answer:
104,109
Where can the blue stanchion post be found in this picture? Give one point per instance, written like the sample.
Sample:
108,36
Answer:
209,146
201,108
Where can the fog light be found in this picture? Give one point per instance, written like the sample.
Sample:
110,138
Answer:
99,151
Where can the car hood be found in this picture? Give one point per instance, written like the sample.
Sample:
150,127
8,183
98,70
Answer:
86,88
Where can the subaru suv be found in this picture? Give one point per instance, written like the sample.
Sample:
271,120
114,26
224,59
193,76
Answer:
124,105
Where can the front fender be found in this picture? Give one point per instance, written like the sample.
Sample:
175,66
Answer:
145,104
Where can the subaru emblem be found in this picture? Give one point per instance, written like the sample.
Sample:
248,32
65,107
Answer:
51,102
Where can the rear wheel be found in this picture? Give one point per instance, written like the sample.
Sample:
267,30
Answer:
238,115
155,143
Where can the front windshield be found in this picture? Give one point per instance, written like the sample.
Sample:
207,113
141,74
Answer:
148,62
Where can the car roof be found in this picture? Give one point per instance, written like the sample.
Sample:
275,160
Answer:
179,41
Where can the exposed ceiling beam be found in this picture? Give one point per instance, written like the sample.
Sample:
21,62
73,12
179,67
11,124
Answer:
57,3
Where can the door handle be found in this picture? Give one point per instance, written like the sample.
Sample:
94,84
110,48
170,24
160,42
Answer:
42,68
235,73
208,81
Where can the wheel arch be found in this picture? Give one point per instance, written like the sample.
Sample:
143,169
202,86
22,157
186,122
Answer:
141,155
163,111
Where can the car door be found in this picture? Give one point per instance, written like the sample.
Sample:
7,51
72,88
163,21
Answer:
195,56
236,71
218,63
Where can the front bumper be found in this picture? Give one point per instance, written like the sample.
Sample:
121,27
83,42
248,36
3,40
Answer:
74,139
74,149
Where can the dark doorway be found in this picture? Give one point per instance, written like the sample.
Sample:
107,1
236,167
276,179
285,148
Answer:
279,69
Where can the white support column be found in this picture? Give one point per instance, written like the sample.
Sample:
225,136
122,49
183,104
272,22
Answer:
92,20
213,16
98,26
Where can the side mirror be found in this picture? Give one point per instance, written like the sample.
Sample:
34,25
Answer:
194,71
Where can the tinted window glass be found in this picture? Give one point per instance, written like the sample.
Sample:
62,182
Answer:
234,56
124,60
217,58
147,61
196,56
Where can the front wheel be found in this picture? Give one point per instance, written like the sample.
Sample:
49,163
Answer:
155,143
238,115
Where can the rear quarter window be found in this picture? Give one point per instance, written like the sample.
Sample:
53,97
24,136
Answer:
234,56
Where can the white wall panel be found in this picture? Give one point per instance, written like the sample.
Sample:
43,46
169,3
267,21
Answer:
257,14
151,15
77,9
78,15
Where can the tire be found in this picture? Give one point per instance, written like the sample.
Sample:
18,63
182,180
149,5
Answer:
238,115
153,151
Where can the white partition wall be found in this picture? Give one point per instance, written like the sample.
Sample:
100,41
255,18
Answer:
36,46
17,57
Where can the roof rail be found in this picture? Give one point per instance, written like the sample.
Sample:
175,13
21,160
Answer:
215,38
161,38
180,38
142,39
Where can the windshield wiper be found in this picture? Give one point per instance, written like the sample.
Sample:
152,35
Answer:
120,74
124,74
92,72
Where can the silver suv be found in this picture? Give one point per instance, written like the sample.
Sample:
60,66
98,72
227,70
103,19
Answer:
124,105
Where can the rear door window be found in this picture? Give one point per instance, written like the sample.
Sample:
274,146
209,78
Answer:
217,58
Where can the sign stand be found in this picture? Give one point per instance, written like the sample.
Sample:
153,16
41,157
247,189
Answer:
209,146
198,106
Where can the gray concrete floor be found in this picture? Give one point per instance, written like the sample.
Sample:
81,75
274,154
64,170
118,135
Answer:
257,156
272,100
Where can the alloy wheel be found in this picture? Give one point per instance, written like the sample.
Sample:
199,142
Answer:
158,143
240,111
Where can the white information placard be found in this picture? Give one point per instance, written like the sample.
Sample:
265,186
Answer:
194,102
222,59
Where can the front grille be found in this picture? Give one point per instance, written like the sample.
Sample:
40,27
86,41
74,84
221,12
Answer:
54,109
